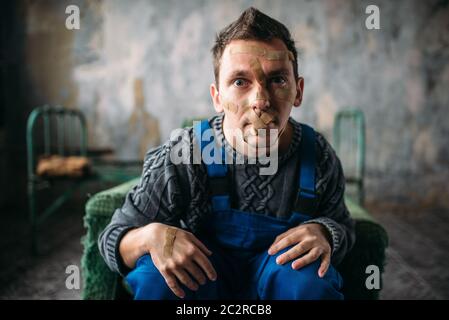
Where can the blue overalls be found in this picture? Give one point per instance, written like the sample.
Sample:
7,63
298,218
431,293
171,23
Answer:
240,240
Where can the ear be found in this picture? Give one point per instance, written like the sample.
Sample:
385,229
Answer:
215,98
299,91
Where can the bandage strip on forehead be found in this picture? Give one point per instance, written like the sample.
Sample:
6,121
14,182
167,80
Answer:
170,236
262,52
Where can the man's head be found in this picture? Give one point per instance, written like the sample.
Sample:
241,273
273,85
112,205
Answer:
257,83
252,25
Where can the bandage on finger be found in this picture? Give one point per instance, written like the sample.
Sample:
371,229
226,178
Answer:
170,236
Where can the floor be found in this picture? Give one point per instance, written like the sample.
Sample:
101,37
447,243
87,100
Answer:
417,264
417,259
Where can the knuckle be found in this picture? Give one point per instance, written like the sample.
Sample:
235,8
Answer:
183,278
191,250
210,271
199,277
183,260
298,248
171,283
187,281
284,243
163,268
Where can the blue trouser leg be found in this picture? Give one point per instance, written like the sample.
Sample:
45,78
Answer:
275,281
147,283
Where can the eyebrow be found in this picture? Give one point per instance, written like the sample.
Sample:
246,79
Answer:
246,73
239,73
277,72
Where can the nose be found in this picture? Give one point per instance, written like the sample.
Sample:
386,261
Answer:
261,102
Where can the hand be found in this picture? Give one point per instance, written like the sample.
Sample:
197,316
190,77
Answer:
311,240
186,259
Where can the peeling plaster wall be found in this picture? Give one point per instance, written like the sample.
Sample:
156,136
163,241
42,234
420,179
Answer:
397,75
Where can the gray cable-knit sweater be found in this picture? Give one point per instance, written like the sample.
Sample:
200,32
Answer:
170,193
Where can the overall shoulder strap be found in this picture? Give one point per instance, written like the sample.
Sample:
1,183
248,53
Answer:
217,171
307,200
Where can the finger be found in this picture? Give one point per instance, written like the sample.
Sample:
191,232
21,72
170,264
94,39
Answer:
306,259
283,235
293,253
205,264
185,279
282,244
201,245
196,273
275,246
325,263
172,283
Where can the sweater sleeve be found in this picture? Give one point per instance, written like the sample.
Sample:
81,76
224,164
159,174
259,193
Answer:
155,198
332,211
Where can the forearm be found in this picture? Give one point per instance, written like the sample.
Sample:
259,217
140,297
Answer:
134,244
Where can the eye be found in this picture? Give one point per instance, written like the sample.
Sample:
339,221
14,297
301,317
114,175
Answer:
278,80
240,82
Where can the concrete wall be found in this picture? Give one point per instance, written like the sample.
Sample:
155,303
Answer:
137,69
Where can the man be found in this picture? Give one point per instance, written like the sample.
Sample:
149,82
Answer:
217,230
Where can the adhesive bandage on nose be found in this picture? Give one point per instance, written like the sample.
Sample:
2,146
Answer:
257,70
170,236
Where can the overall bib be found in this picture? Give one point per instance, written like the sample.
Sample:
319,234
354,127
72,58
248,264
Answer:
240,240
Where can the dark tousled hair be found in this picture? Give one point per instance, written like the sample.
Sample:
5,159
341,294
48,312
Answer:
252,25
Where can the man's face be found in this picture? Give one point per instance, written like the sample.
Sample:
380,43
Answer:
257,89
